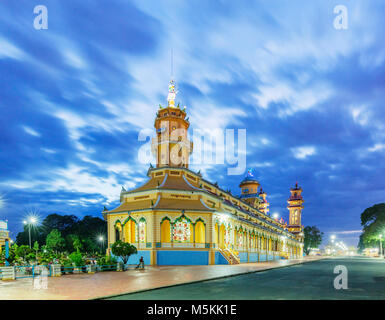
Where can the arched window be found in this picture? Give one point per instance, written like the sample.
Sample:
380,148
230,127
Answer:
165,231
200,232
182,230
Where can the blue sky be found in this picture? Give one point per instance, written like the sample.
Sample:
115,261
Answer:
74,97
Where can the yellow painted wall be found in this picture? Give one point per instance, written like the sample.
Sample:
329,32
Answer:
200,232
165,231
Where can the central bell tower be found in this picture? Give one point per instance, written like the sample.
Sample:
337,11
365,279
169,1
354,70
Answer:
171,146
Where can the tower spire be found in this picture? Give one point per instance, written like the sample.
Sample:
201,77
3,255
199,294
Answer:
171,146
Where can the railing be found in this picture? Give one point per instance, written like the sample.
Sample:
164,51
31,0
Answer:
182,245
230,256
139,245
31,271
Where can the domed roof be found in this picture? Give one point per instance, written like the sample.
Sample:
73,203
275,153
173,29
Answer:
249,178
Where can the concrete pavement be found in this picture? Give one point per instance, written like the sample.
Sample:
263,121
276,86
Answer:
105,284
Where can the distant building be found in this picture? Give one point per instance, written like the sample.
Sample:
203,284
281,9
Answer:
371,252
179,218
315,252
4,233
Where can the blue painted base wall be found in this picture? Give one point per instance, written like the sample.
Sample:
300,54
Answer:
134,259
220,259
253,257
182,258
262,257
243,256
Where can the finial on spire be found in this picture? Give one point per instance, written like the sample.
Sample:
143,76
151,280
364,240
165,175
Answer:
250,173
171,94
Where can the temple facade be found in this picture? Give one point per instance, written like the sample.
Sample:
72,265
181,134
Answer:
179,218
4,233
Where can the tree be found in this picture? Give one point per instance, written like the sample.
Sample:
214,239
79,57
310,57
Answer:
373,222
312,238
123,250
77,244
55,241
36,247
70,226
23,251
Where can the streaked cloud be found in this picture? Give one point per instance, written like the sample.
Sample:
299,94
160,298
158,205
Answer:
303,152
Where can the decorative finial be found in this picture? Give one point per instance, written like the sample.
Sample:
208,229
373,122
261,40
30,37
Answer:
171,94
105,209
123,190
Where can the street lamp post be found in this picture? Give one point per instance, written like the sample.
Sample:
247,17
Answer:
380,245
101,239
29,222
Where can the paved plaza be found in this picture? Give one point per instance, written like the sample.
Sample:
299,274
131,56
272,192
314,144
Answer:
366,280
104,284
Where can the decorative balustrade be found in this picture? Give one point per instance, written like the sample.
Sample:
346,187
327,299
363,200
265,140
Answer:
182,245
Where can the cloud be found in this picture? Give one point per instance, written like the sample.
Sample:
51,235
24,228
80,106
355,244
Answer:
303,152
8,50
31,131
377,147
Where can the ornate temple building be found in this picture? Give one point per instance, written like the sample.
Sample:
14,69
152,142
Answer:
179,218
4,233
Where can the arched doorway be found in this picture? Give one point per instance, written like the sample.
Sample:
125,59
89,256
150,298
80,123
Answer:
165,231
200,232
130,231
118,231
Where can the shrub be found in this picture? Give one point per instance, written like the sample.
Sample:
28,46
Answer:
77,258
107,263
123,250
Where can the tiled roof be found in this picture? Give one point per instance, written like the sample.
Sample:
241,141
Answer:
134,205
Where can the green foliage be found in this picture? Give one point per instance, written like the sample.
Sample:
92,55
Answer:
36,247
312,238
107,263
75,241
86,230
373,222
23,251
77,259
123,250
55,241
12,255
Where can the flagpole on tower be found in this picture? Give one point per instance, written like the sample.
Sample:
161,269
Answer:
172,63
